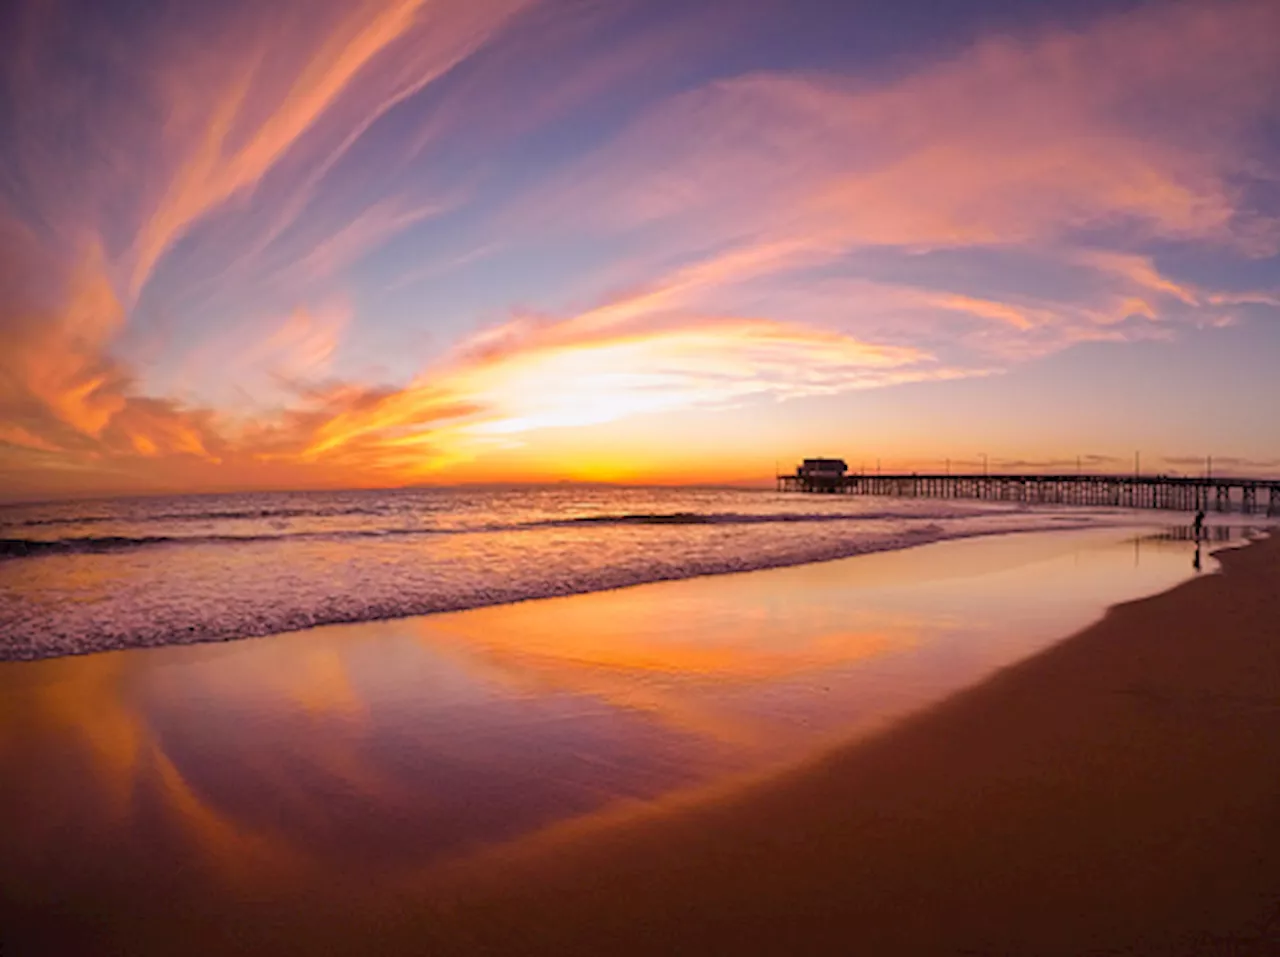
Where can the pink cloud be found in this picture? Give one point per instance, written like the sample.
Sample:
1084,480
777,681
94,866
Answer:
372,56
1140,120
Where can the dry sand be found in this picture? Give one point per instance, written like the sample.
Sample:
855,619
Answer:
1117,794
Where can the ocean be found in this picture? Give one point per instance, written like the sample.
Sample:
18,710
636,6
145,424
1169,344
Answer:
79,577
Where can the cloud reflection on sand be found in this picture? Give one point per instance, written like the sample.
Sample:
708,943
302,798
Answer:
371,752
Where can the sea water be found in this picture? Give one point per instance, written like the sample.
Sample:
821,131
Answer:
78,577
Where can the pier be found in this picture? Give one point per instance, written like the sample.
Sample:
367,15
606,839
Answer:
1175,493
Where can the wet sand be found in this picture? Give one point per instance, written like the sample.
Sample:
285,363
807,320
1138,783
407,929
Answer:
1116,793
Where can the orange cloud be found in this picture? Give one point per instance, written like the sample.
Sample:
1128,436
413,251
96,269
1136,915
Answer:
1140,271
17,435
302,346
643,353
371,56
58,361
711,362
60,388
988,309
297,84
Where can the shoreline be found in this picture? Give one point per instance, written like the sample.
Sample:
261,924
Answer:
1115,793
1083,799
911,540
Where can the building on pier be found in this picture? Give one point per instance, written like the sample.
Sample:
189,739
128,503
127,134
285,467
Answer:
821,475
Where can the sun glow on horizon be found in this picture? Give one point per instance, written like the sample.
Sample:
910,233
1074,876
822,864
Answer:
323,245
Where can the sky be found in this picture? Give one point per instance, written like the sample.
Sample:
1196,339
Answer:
365,243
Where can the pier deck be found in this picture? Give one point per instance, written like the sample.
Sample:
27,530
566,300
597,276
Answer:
1178,493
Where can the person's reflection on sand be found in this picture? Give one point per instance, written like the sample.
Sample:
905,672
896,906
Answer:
1195,562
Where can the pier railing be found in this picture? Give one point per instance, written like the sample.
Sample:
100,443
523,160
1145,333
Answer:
1178,493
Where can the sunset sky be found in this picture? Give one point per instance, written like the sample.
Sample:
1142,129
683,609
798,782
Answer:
318,243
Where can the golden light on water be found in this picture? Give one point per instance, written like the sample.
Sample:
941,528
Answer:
262,757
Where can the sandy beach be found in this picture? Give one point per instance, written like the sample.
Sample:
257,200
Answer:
1115,793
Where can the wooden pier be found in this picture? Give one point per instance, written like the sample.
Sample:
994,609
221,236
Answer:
1176,493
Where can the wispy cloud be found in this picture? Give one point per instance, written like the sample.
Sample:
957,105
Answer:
373,56
768,235
630,356
638,353
1072,148
367,231
1009,142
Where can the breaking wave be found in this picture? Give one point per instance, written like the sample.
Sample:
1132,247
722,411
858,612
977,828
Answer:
93,544
145,573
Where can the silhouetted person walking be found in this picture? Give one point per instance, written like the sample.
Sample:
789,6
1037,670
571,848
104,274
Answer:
1198,525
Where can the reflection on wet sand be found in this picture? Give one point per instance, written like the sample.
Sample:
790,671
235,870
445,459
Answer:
374,751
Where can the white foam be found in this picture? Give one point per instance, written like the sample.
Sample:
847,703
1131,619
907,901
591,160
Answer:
256,565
